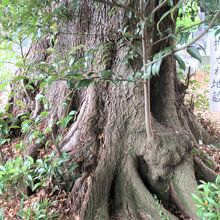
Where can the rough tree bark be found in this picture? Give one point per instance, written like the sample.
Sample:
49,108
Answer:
120,170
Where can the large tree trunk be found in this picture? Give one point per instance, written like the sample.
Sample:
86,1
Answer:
120,170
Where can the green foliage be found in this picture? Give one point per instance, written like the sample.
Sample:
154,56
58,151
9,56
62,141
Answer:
37,211
188,14
201,101
14,172
32,18
187,21
9,123
207,199
47,172
209,7
1,214
64,122
55,170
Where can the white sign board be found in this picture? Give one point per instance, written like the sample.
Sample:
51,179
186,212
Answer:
214,95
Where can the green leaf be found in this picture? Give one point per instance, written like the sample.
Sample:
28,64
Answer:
194,53
211,201
18,78
39,97
2,141
106,74
14,127
73,112
156,67
36,186
197,199
84,83
217,32
44,114
170,3
147,72
180,61
210,215
5,2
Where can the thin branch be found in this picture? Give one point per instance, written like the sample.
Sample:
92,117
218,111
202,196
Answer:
132,46
179,32
162,39
22,51
159,7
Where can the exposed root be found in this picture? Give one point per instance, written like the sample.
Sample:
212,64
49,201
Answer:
84,125
207,159
198,131
203,172
132,199
32,150
79,194
74,126
183,185
89,196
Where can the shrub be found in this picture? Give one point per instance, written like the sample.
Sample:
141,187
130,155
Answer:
207,198
50,172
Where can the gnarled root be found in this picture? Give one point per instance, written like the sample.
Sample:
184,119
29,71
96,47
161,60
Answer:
132,200
182,186
198,131
203,172
89,196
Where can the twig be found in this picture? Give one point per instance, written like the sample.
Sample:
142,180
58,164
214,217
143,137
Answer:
187,78
135,49
22,51
159,7
162,39
178,32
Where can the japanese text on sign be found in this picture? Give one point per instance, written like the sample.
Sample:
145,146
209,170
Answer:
214,95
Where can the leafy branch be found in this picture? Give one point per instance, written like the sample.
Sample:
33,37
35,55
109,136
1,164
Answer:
212,23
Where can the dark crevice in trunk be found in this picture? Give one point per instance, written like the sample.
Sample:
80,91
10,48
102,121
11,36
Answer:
172,207
111,198
142,170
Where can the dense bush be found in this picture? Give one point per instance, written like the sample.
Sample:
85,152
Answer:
207,198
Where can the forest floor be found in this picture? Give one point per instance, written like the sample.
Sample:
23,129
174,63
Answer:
198,92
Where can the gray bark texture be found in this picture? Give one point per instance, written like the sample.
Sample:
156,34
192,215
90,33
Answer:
120,170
